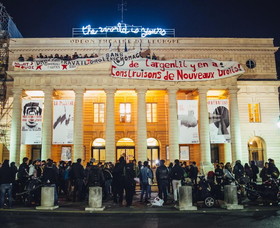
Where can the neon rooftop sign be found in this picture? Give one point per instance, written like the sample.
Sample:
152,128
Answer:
122,28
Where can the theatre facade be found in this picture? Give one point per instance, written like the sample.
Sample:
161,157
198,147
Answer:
105,109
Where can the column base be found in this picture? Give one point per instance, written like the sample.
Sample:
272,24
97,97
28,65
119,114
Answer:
92,209
47,207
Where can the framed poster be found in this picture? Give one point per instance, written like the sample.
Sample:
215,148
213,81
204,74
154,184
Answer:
184,153
66,153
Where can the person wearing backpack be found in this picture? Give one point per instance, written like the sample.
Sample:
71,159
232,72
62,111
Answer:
162,180
95,177
177,175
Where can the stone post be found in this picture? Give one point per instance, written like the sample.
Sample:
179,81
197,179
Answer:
235,126
173,125
110,126
78,125
185,199
47,199
47,124
16,127
141,125
230,198
95,199
205,149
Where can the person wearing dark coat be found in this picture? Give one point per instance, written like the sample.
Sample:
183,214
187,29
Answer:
272,169
6,179
255,170
193,172
162,176
23,174
129,183
77,175
50,178
118,182
264,173
238,170
176,175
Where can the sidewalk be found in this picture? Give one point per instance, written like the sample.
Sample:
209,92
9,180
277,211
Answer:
138,207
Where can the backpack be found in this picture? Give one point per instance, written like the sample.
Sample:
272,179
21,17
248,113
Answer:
163,173
94,176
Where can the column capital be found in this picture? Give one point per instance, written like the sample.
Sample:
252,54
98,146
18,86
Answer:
233,91
110,91
141,90
202,90
172,90
48,91
17,91
79,91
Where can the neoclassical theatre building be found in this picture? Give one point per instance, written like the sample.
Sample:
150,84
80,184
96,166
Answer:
196,99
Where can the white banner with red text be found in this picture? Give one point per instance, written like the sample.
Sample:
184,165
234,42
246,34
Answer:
56,64
63,121
219,121
31,122
176,70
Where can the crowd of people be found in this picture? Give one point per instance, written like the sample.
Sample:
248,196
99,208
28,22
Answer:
72,180
70,57
57,56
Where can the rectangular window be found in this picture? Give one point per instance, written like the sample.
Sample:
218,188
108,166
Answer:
151,112
125,112
254,113
98,112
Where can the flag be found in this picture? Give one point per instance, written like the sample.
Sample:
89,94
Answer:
125,47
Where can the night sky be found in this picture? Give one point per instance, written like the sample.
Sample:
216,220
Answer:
190,18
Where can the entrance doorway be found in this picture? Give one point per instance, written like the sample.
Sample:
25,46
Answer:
153,151
125,148
256,146
98,150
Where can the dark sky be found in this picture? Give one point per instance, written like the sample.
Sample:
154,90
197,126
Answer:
190,18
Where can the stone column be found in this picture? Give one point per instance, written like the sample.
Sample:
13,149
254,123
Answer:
47,124
110,126
205,148
141,125
173,125
16,127
235,126
78,125
227,153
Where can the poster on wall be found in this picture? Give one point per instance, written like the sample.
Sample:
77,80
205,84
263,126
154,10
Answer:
219,121
188,121
66,153
63,121
184,153
31,122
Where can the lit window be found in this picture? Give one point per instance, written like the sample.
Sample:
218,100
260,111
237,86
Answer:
125,112
254,113
98,111
151,112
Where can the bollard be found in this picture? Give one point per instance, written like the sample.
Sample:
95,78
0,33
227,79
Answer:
47,199
231,199
185,199
95,199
